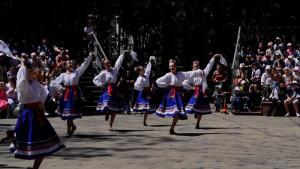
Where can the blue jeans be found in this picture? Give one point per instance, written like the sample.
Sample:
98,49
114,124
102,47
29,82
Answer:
236,104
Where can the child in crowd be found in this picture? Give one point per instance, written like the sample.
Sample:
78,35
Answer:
3,102
254,96
236,99
218,96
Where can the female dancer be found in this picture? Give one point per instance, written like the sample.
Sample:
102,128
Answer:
110,101
198,104
143,102
69,106
34,136
171,104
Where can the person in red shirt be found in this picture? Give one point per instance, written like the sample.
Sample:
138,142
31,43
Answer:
220,75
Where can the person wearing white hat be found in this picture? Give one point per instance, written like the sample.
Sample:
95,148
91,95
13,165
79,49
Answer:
236,99
289,61
293,98
266,83
44,63
277,42
290,50
296,73
278,98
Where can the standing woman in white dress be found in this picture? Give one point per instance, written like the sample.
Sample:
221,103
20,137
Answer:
34,137
198,104
171,104
70,104
144,103
110,102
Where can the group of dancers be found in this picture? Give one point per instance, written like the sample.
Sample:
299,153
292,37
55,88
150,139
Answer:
35,138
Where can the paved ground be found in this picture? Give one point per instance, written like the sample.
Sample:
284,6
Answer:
225,141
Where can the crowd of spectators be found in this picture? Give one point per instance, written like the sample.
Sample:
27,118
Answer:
268,74
47,60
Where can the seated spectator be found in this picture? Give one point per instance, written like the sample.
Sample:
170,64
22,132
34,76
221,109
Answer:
256,73
261,51
281,51
55,70
39,75
242,55
266,83
44,62
289,61
298,51
240,79
62,57
267,60
3,102
12,72
218,96
34,62
248,66
279,96
260,62
245,94
11,94
236,100
254,96
297,62
276,77
296,74
290,50
287,77
278,62
47,48
240,70
293,96
270,49
277,42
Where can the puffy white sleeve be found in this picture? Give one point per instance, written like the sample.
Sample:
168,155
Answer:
56,84
192,74
209,66
84,65
99,80
186,84
137,85
162,82
42,91
119,63
22,79
148,69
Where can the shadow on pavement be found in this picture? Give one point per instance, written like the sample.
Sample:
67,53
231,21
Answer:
5,166
125,131
199,134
